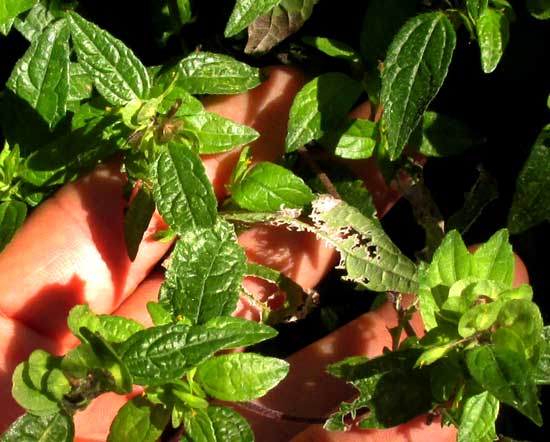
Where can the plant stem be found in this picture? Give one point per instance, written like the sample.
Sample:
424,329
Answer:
323,177
269,413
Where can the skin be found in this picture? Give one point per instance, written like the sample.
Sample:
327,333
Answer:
45,271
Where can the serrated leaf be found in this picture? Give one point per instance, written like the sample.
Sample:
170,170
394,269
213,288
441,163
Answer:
211,73
531,202
117,73
164,353
229,426
415,68
12,8
240,377
137,218
215,134
367,253
139,421
320,106
493,33
503,373
495,259
477,421
268,187
205,273
539,8
245,12
382,21
30,428
354,140
41,76
12,215
283,20
183,193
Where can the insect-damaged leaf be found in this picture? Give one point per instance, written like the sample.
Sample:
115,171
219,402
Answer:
415,68
367,253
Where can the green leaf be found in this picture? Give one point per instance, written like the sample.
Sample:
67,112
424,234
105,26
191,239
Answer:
504,373
268,187
477,421
30,428
30,396
443,136
81,84
117,73
183,193
541,373
5,27
12,215
164,353
214,133
354,140
40,16
382,21
229,426
531,202
245,12
495,259
319,107
333,48
159,315
283,20
240,377
137,218
115,329
476,8
205,273
479,318
139,421
493,33
539,9
211,73
198,427
367,253
12,8
41,76
415,68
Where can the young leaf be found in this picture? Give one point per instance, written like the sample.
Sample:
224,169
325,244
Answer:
229,426
245,12
495,259
159,315
12,8
283,20
319,107
539,9
415,68
41,76
493,33
139,421
443,136
117,73
477,421
367,254
160,354
503,373
30,428
333,48
531,202
136,219
211,73
182,192
205,273
30,396
12,215
354,140
268,187
214,133
240,377
382,21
